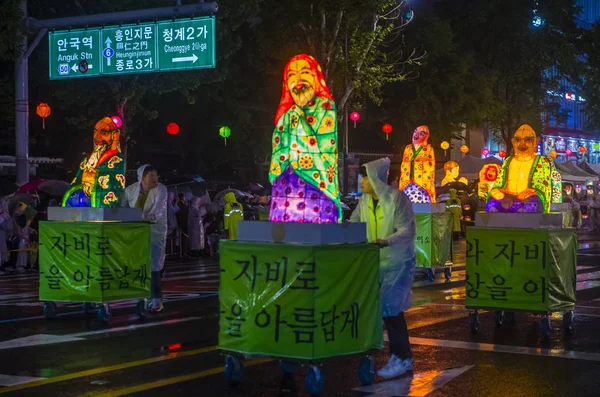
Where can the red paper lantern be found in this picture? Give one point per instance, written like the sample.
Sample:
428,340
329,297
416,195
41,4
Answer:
502,154
387,128
173,128
43,110
582,149
355,116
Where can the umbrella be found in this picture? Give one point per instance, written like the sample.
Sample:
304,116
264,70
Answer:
255,187
54,187
238,193
30,186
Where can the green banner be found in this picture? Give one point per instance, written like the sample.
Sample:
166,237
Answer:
94,261
303,302
433,239
521,269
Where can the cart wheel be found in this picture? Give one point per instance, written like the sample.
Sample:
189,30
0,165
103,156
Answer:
49,309
430,274
314,381
568,318
499,318
87,308
545,327
233,370
141,308
287,367
104,313
474,321
448,272
366,370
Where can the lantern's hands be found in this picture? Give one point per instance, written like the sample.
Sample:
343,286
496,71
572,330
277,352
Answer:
115,141
497,194
88,179
525,194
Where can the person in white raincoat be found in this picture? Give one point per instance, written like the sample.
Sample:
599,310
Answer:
152,196
391,225
196,225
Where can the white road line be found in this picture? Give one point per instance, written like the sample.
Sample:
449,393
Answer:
11,380
487,347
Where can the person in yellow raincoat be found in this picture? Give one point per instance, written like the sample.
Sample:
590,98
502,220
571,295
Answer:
233,213
453,205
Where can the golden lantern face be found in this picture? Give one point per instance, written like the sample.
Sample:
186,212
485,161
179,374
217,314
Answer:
43,110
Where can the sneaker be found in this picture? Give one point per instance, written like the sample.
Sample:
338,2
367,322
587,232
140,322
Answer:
396,367
155,306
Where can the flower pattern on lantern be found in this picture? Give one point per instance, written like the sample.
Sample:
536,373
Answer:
110,197
331,172
121,179
293,121
103,181
275,169
114,160
310,120
306,162
327,125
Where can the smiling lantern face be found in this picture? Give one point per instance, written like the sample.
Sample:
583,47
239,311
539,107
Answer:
420,135
301,82
524,142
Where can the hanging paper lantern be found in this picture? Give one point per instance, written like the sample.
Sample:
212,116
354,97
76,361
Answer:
43,110
464,149
485,152
173,128
582,149
445,146
553,154
387,128
117,120
502,154
225,133
568,152
355,116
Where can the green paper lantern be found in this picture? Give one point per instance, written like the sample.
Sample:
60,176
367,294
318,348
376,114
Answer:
225,132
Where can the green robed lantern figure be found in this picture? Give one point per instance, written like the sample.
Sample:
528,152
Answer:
527,182
100,180
304,162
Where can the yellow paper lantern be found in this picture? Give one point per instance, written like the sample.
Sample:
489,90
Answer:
464,149
445,145
553,154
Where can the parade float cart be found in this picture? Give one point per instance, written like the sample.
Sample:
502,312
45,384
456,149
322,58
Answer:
521,262
433,239
94,256
301,293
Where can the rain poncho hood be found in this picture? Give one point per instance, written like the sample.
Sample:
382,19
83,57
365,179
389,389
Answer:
232,213
392,220
155,211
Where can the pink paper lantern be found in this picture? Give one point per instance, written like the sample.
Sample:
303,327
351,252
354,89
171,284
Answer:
117,120
355,116
485,152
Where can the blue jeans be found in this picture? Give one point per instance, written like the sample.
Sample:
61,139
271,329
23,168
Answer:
155,288
398,335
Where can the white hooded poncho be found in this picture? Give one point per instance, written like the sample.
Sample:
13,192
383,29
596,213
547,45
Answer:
155,211
393,220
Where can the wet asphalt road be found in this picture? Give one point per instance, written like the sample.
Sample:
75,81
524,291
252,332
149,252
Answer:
174,353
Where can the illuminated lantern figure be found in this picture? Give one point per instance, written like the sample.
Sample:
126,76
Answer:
527,182
445,145
304,162
451,171
355,116
387,128
417,172
43,110
487,177
173,128
101,176
225,132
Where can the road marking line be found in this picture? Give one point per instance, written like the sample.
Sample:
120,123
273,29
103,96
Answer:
488,347
111,368
169,381
36,340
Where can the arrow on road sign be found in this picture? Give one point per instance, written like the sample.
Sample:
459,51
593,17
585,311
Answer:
108,42
193,58
74,68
